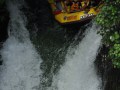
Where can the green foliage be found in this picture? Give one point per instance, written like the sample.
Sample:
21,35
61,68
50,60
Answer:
115,37
114,52
110,15
109,19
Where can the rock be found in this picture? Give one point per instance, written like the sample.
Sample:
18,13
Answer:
4,19
110,75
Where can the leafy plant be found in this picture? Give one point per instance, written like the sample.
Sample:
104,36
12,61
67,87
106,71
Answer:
109,19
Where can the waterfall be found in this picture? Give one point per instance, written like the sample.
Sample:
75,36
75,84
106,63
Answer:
21,62
78,72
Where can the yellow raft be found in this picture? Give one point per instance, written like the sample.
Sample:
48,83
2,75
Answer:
64,17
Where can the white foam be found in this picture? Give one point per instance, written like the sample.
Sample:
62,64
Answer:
21,67
78,72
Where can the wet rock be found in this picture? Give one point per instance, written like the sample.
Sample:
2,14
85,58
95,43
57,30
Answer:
4,19
110,75
113,79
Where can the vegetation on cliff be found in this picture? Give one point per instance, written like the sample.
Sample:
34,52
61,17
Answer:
109,19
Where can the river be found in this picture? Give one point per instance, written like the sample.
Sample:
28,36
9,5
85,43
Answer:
50,62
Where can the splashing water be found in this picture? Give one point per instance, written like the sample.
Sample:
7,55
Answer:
78,72
21,62
21,67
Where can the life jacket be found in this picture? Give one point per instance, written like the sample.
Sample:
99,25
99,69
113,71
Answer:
75,6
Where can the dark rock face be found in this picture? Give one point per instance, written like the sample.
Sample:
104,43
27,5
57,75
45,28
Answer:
110,76
4,19
113,80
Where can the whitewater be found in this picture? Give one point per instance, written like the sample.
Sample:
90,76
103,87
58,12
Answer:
21,62
78,72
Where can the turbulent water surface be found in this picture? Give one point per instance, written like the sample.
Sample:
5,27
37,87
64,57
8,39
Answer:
21,69
78,72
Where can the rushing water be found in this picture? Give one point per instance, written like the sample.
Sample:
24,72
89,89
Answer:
21,63
78,72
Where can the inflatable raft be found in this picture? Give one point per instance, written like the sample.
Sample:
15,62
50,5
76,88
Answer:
72,11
